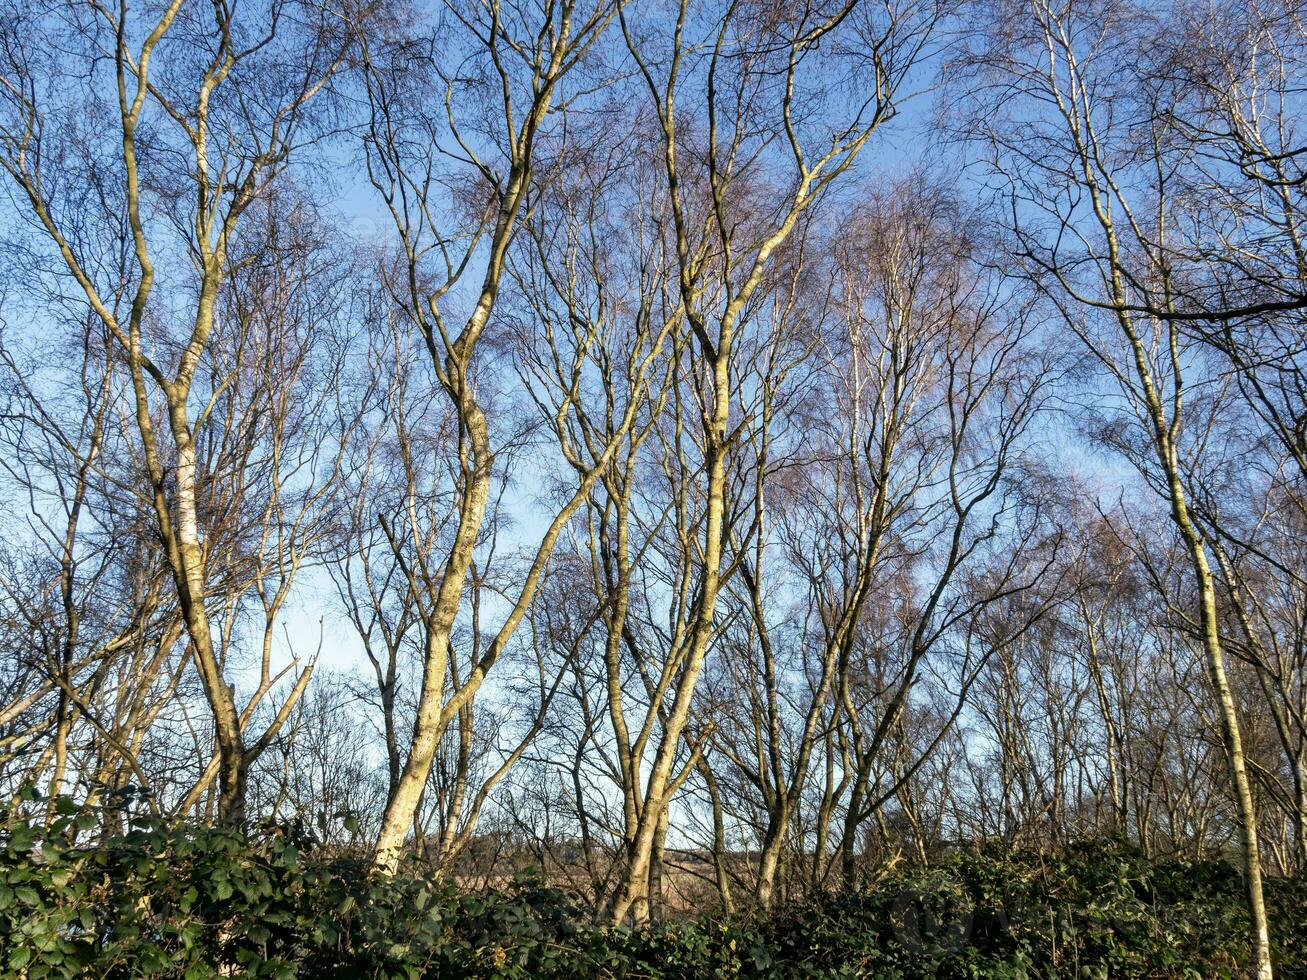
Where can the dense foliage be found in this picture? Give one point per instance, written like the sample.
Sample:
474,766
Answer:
192,901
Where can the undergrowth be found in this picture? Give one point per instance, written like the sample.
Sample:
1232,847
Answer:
194,902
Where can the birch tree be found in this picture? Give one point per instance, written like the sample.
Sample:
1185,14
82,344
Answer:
1085,164
205,105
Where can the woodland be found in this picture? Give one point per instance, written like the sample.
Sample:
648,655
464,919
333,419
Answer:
653,488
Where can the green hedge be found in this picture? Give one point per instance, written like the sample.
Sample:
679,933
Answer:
193,901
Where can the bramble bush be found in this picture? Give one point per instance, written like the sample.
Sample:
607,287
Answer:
194,902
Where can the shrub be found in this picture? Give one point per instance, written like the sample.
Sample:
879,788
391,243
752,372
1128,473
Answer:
193,901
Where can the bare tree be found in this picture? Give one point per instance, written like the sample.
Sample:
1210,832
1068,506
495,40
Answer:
529,66
232,112
727,222
1077,132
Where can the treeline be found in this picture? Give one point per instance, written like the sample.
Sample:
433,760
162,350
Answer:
710,452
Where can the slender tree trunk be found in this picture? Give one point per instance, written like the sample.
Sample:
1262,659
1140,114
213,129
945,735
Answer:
654,893
634,876
431,719
718,837
1230,731
769,859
